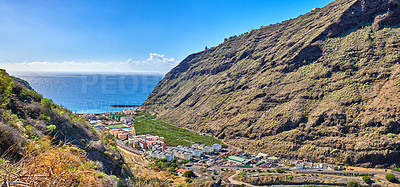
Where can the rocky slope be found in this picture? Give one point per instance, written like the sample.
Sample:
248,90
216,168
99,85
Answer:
324,86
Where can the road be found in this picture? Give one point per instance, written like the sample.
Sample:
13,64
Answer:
121,145
344,171
233,181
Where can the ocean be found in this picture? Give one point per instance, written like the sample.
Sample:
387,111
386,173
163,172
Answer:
93,93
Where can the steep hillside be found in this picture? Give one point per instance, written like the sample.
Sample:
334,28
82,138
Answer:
324,86
34,132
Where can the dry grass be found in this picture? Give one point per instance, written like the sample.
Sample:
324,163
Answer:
47,165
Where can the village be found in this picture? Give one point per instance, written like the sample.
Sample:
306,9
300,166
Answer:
121,126
204,161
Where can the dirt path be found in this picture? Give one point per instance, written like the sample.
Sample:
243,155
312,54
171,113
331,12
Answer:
152,120
233,181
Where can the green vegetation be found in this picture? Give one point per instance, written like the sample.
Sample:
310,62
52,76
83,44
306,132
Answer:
353,184
391,177
391,135
163,164
396,169
117,116
147,124
366,179
115,126
189,174
355,174
184,161
51,128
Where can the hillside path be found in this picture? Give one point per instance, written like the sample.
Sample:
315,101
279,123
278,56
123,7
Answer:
233,181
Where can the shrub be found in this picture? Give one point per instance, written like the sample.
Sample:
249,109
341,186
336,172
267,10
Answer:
391,177
366,179
290,177
353,184
51,128
278,170
184,161
188,174
391,135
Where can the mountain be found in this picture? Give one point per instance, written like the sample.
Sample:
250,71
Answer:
37,136
324,86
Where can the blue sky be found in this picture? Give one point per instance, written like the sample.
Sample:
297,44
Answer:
147,35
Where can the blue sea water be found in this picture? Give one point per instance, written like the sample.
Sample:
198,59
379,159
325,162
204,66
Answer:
93,93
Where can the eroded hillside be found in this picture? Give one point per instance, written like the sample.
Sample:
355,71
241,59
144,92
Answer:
324,86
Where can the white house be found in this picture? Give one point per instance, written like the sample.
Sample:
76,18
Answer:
187,155
195,145
169,157
217,147
207,149
201,146
127,119
197,152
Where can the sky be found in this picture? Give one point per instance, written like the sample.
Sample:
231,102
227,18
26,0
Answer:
126,35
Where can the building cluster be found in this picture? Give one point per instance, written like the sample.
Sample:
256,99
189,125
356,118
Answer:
121,129
149,142
268,161
129,111
121,133
186,152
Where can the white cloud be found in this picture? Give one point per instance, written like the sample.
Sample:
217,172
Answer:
155,63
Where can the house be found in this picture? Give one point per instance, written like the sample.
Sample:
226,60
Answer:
120,134
178,154
273,159
141,143
195,145
299,166
128,111
126,119
201,146
207,149
94,121
197,153
169,157
262,155
155,154
187,156
236,159
181,171
308,165
149,142
216,147
156,147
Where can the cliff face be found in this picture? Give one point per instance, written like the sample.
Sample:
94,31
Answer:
323,86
